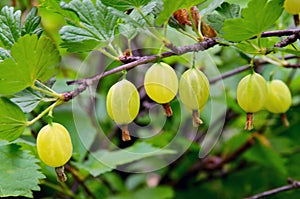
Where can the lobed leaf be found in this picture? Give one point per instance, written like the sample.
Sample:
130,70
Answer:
31,59
257,17
12,120
10,22
10,25
97,25
225,11
27,99
19,173
134,22
31,23
4,54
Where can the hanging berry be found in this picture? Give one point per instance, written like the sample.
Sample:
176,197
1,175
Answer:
161,85
54,145
123,103
194,92
251,95
292,6
279,98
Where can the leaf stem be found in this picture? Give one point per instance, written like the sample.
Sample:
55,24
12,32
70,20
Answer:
49,109
49,91
108,54
113,49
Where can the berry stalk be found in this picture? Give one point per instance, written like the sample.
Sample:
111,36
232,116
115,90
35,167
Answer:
196,120
125,133
249,121
168,109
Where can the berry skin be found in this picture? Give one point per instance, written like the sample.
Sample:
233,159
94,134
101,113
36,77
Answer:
54,145
122,104
161,83
194,91
292,6
279,98
251,95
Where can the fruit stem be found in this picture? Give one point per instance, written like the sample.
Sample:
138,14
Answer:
249,122
60,173
194,60
125,133
124,73
196,120
252,71
284,120
48,92
49,108
168,109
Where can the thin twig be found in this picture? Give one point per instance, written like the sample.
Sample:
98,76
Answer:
83,83
292,185
136,61
80,180
289,40
246,67
279,33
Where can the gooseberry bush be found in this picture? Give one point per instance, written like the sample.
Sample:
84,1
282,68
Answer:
149,98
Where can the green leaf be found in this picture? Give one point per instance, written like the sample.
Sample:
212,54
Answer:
97,26
251,46
266,157
10,23
287,50
32,59
134,22
229,10
171,6
161,192
103,161
27,99
4,54
12,120
54,6
234,143
257,17
19,173
225,11
31,23
125,4
128,30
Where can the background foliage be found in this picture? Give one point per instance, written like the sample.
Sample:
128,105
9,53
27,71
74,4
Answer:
75,39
